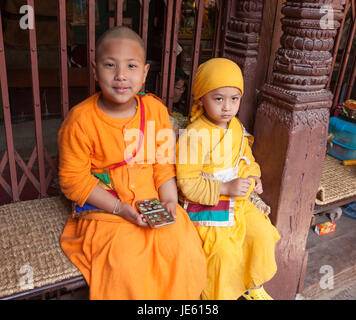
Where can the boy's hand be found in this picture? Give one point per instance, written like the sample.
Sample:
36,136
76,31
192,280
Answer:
236,188
168,196
129,213
171,207
258,187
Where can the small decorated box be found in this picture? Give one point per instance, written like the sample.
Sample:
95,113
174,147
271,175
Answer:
324,228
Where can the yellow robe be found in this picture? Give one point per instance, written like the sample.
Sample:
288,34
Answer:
118,259
240,255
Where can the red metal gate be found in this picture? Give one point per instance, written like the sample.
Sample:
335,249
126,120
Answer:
37,172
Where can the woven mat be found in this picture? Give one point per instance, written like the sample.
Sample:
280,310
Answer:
30,254
337,181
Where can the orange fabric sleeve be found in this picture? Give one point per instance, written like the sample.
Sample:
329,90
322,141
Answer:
74,162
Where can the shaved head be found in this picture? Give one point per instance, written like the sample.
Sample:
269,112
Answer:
119,33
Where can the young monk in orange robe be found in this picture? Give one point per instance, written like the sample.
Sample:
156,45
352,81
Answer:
119,256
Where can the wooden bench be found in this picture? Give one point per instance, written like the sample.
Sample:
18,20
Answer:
32,262
337,186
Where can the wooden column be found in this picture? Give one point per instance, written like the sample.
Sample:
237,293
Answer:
240,44
291,128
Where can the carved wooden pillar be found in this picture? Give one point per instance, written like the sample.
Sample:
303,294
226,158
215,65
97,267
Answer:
240,44
291,129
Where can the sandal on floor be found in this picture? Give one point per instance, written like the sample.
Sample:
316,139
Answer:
257,294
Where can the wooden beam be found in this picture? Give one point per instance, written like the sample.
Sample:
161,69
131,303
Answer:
269,40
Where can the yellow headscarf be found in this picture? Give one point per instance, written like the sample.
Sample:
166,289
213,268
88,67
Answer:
212,74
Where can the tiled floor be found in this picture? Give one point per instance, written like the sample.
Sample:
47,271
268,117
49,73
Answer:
332,255
347,292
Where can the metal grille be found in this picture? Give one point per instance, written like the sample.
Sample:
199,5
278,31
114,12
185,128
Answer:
38,169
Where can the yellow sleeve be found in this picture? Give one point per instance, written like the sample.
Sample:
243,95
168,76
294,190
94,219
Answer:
201,190
189,167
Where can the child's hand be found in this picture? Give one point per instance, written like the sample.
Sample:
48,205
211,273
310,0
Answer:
168,196
171,207
258,187
129,213
236,188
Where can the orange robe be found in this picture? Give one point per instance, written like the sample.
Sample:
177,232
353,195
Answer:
118,259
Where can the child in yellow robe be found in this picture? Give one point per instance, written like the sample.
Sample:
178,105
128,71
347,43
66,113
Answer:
119,256
216,172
